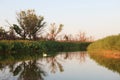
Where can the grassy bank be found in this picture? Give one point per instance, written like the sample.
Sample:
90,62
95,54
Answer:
109,44
17,50
16,46
108,47
106,52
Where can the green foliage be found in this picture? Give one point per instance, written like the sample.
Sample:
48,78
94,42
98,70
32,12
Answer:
17,50
11,51
108,43
29,24
3,46
40,46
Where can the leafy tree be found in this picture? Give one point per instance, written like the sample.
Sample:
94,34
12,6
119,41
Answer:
30,24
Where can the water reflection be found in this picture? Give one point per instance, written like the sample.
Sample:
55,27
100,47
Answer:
110,63
54,64
79,56
30,71
34,68
27,70
39,69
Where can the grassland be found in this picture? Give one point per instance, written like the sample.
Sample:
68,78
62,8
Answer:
109,47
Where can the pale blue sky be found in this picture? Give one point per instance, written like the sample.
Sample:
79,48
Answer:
98,18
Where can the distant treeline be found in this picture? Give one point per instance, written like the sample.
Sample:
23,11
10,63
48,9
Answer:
31,26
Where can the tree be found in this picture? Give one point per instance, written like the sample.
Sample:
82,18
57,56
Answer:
11,34
29,24
3,33
54,31
82,37
68,37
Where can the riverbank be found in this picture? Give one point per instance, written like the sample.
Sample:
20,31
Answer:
106,53
108,47
8,46
18,50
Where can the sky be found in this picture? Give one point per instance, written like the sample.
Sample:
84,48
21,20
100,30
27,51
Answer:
98,18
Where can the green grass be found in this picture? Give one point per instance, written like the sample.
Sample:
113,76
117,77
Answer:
109,43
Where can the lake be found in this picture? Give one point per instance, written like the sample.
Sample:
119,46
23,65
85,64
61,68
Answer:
62,66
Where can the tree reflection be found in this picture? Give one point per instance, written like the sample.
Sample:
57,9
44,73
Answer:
79,56
54,64
33,69
29,71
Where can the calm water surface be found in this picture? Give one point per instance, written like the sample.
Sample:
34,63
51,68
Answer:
63,66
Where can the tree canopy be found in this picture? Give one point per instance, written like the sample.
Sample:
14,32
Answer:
29,24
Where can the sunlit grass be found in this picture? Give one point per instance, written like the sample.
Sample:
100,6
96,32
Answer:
110,44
